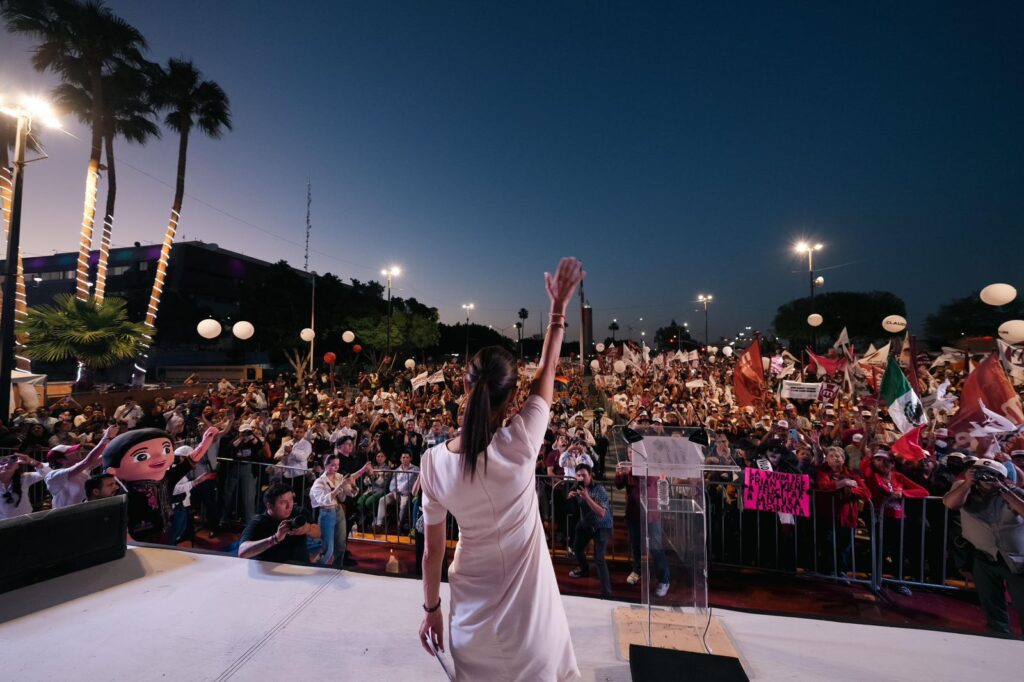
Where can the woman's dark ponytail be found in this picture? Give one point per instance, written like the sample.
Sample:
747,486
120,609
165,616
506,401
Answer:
492,379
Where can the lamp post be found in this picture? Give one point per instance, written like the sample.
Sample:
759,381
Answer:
706,300
24,114
393,271
468,307
809,249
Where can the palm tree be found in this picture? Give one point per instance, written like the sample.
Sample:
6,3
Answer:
79,37
523,314
190,102
96,335
8,131
127,113
613,327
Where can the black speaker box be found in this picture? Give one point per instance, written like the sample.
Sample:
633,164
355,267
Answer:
47,544
651,664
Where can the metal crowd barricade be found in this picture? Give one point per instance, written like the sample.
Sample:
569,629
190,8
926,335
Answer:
916,550
241,484
815,545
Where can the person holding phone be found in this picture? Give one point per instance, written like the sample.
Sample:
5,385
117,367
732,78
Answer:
507,619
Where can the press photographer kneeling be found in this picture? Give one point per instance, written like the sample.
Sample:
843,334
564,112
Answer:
279,533
992,517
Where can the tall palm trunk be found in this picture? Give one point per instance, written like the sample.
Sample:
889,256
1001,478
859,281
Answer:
108,218
20,301
92,179
165,254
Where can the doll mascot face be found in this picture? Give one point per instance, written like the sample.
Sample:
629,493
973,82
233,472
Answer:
140,455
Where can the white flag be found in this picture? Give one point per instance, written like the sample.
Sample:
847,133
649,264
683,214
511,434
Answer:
419,381
436,378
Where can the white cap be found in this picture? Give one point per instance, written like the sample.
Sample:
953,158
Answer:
857,437
990,465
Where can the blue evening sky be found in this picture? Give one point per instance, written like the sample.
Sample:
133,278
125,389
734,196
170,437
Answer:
675,149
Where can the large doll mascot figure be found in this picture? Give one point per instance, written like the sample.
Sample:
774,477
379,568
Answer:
143,463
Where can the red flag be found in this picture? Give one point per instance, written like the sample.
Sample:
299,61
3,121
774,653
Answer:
987,384
748,378
909,445
825,365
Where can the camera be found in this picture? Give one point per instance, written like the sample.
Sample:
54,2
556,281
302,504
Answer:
986,476
298,521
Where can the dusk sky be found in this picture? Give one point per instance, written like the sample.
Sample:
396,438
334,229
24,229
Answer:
674,150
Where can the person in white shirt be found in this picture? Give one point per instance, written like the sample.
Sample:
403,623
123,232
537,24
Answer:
580,431
402,484
14,484
344,429
329,490
294,456
574,457
70,470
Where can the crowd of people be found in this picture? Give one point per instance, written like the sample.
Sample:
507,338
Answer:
300,464
864,471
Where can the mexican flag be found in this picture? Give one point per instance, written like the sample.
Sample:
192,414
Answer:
905,407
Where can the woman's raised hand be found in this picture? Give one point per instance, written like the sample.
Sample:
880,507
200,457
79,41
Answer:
563,284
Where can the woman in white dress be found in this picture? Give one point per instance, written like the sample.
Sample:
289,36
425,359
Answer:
506,616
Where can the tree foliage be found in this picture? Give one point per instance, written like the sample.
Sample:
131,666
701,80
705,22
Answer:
673,336
97,335
966,317
860,312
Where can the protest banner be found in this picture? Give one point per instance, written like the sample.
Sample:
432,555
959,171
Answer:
777,492
797,390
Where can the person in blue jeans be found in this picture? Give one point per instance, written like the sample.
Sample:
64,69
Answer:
327,493
595,524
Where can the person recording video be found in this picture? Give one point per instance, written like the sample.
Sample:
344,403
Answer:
595,524
279,533
992,520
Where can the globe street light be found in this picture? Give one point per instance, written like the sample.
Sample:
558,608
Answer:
25,111
467,307
393,271
706,300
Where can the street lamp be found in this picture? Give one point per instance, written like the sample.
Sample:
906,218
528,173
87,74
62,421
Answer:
393,271
467,307
706,300
809,249
25,112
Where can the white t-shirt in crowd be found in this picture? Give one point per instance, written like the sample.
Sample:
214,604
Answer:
65,487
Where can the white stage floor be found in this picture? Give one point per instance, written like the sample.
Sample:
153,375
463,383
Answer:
169,615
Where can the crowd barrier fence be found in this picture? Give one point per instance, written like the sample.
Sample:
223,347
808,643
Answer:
921,549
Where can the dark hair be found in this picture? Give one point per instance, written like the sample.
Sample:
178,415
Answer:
275,491
343,440
329,458
584,467
491,376
93,484
15,487
121,444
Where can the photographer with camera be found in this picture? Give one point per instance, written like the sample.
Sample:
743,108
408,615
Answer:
992,519
279,533
595,524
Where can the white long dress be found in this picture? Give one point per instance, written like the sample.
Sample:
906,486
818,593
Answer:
505,617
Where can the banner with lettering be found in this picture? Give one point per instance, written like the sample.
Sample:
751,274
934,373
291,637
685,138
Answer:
777,492
798,390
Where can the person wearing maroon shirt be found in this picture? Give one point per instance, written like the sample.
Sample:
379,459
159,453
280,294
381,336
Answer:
624,478
838,495
888,489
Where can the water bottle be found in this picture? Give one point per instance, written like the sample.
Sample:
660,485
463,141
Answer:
662,492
